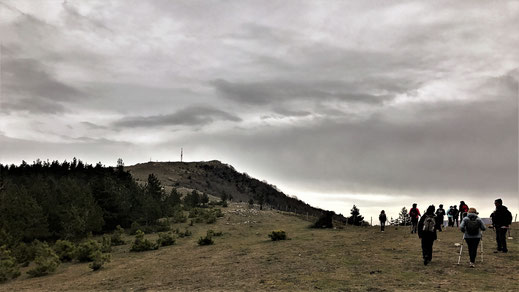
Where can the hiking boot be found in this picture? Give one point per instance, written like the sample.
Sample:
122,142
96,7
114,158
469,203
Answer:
472,265
425,262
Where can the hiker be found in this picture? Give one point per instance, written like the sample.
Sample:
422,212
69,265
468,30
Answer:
464,208
450,215
455,214
382,217
440,213
427,232
414,213
501,220
472,226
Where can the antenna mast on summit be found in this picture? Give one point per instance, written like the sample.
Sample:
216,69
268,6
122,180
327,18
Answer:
181,154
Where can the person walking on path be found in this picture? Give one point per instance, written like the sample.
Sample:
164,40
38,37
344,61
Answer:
456,213
440,213
382,217
414,213
464,208
472,226
427,233
501,220
450,216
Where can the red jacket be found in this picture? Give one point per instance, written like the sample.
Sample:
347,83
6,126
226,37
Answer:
416,214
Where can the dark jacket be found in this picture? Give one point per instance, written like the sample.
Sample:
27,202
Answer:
501,217
440,213
421,233
382,217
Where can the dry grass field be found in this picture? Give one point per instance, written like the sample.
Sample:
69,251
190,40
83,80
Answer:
244,259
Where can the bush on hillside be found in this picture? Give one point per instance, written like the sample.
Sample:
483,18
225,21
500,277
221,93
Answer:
106,244
47,261
65,250
86,251
8,267
165,239
162,226
99,260
278,235
24,253
325,221
185,233
117,236
214,233
142,244
179,217
207,240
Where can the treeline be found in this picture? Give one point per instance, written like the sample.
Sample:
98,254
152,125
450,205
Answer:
70,200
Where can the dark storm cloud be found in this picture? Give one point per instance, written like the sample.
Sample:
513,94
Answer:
268,92
192,116
28,85
94,126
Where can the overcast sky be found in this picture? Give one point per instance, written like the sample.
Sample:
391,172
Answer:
374,103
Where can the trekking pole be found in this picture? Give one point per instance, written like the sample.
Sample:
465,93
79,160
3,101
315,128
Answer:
461,250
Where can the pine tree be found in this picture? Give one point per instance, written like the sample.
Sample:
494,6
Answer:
403,217
355,218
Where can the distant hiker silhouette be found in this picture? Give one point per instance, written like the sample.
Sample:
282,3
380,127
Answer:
464,208
414,213
472,226
501,220
440,213
427,233
382,218
450,216
456,212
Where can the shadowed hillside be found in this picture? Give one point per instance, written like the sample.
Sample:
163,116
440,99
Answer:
218,179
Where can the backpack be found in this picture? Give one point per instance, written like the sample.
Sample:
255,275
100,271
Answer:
472,227
429,224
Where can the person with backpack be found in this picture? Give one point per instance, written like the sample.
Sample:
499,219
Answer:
464,208
440,213
501,220
472,226
382,217
414,213
455,215
450,216
427,233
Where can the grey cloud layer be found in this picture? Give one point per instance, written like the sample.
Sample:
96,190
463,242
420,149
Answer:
193,116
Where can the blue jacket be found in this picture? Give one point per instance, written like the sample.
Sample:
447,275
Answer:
472,216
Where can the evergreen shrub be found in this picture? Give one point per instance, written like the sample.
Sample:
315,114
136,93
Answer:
142,244
65,250
8,267
278,235
47,261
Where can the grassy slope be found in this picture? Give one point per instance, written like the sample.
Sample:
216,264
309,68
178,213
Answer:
243,259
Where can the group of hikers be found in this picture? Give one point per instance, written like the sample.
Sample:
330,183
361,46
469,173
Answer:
471,225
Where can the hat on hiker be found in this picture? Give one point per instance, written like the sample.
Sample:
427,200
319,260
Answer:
473,210
499,201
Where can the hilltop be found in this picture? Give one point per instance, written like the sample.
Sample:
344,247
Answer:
216,179
244,259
